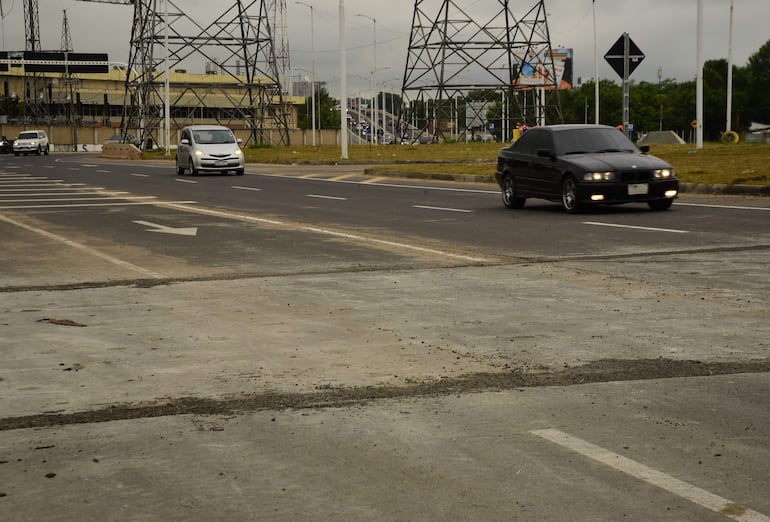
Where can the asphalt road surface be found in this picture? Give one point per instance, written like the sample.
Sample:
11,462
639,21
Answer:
310,343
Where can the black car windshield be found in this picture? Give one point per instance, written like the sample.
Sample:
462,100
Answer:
591,141
213,136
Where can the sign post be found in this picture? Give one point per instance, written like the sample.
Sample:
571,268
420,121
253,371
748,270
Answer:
624,57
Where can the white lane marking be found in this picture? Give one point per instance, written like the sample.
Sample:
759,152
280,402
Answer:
246,188
651,229
7,194
141,175
354,237
79,246
395,244
84,190
326,197
88,165
652,476
185,180
104,171
734,207
165,229
83,205
309,177
95,197
442,208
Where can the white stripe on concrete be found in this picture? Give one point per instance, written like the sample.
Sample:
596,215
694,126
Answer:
673,485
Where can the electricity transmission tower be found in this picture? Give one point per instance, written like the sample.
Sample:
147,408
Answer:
472,66
237,46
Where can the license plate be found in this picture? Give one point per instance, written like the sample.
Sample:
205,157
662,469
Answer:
222,163
636,189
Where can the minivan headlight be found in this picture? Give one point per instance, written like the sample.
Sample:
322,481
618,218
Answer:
199,153
598,176
237,152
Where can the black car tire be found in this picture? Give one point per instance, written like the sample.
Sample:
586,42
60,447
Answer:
569,197
660,204
191,166
510,199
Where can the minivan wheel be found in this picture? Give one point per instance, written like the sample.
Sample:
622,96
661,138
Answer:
239,172
179,168
47,150
569,199
39,150
191,166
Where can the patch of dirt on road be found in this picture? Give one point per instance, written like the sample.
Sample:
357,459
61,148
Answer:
606,370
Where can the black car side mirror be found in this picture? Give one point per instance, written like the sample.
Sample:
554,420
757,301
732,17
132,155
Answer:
645,149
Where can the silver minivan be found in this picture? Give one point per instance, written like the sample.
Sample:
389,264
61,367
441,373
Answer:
209,148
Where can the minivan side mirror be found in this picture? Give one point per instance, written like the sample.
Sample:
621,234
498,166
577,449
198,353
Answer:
645,149
239,141
184,141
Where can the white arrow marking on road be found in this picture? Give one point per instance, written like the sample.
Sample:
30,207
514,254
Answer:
163,229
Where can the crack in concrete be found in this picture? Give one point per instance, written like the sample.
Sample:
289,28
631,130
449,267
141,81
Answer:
606,370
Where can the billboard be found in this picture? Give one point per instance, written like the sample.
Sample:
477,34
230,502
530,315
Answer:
537,72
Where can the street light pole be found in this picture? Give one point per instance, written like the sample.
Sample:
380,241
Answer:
312,53
343,84
375,114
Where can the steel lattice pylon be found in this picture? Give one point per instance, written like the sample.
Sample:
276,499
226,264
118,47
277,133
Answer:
465,61
237,46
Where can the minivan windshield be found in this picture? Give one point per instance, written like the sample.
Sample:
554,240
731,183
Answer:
28,136
213,136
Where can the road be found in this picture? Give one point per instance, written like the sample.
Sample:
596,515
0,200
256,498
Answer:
306,343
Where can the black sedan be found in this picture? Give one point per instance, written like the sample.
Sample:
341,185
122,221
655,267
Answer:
581,165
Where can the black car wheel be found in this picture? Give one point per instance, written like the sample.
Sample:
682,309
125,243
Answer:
569,199
510,199
660,204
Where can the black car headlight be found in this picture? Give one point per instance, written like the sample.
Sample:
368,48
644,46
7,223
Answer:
663,173
598,176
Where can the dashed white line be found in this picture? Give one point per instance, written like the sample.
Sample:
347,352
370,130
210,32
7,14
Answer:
443,208
634,227
652,476
141,175
319,196
246,188
185,181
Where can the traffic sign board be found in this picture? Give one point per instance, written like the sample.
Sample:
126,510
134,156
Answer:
617,55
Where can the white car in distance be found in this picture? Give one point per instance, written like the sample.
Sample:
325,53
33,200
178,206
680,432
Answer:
209,148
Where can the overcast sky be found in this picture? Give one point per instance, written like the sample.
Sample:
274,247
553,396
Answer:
665,31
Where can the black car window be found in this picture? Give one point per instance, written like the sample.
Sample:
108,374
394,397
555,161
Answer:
587,140
531,141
